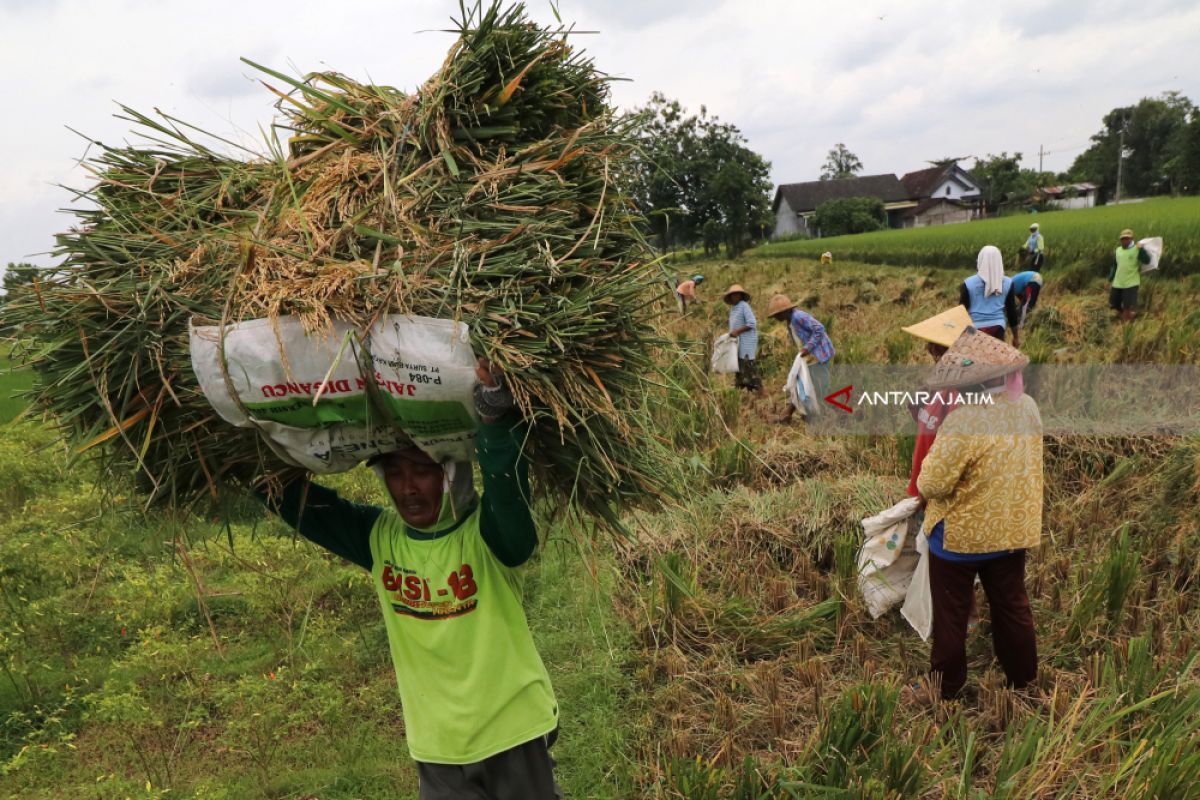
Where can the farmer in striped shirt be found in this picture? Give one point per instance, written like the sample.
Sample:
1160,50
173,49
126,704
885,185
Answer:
810,337
744,327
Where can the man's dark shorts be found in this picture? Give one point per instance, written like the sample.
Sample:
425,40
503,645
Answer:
526,772
1123,299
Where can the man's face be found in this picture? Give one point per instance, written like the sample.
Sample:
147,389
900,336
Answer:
414,481
1126,241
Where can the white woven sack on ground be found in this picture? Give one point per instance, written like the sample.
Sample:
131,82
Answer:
725,356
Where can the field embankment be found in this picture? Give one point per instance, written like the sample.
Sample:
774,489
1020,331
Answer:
1085,237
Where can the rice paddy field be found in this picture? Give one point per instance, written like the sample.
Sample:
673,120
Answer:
1084,236
718,651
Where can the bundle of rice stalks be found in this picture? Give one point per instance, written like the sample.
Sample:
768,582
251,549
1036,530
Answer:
494,195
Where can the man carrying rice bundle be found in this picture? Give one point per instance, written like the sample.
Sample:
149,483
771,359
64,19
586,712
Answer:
987,456
479,711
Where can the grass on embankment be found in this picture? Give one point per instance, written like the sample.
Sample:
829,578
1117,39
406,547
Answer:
111,683
1083,236
13,382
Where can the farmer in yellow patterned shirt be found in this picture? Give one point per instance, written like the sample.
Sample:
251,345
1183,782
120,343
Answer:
982,481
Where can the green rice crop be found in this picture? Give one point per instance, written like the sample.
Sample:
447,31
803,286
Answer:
1083,236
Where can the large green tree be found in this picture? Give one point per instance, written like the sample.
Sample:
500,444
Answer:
696,180
17,276
1156,133
850,215
1002,180
840,163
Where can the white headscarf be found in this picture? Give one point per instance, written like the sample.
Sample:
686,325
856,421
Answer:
990,265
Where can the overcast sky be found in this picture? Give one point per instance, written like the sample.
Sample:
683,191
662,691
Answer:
899,83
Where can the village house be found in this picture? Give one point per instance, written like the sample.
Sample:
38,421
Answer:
1071,195
944,194
795,203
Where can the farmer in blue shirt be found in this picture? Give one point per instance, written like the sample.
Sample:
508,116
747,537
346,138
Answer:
810,338
744,327
1026,286
987,296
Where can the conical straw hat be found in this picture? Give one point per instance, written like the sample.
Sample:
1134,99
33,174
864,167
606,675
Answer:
779,303
975,358
944,328
737,287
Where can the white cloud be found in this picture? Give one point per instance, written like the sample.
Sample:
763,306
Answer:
898,83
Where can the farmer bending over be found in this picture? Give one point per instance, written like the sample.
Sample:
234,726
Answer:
685,293
1026,286
479,711
811,339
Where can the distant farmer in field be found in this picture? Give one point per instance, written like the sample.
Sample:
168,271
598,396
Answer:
1026,286
986,295
987,456
1034,251
744,327
685,293
479,711
1126,276
939,333
810,338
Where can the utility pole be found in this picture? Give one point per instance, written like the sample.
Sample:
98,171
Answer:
1120,160
1041,152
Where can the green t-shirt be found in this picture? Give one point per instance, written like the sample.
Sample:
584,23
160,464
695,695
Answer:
471,681
1128,273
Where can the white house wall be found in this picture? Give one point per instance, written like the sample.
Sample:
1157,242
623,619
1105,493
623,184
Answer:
957,191
786,221
1083,201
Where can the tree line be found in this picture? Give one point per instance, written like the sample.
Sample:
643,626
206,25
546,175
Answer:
698,182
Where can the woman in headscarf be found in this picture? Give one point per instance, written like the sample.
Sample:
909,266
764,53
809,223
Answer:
986,295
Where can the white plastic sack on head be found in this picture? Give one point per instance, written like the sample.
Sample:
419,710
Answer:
888,558
1154,246
724,356
918,602
799,388
315,405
